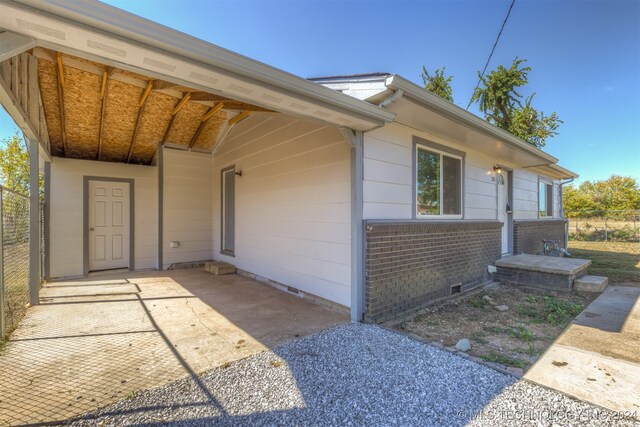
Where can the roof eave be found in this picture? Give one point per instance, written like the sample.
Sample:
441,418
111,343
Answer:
434,102
114,21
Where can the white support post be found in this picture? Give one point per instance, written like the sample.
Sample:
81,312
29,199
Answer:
34,223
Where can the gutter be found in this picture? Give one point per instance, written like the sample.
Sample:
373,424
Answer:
452,111
119,24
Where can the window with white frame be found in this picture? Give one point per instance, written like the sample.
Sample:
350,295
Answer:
545,198
438,183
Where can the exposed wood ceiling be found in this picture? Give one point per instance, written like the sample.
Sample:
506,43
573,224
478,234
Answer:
95,112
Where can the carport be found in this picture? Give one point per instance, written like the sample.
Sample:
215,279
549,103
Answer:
159,150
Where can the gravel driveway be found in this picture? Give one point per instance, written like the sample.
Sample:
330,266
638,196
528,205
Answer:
355,374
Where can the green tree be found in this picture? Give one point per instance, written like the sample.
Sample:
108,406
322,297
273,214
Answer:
499,100
617,193
438,83
14,164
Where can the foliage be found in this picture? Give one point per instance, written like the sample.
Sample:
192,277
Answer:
14,164
503,359
554,311
592,199
618,261
438,83
499,100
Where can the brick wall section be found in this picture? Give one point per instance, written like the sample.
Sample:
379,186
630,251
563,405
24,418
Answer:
411,264
528,235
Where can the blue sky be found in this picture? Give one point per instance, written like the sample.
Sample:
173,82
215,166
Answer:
585,55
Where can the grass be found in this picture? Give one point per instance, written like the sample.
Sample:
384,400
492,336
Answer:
553,312
503,359
619,261
477,302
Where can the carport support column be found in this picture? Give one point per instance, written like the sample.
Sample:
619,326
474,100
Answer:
357,240
34,223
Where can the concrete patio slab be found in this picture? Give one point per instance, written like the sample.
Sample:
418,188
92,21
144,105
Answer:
545,264
94,341
597,358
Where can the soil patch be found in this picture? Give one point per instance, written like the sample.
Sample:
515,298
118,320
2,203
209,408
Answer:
515,337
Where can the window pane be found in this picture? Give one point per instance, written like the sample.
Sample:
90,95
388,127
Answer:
451,186
542,198
428,183
549,200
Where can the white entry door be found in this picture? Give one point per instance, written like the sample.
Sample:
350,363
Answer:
109,214
505,211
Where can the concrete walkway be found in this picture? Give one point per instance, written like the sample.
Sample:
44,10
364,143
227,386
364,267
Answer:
597,358
96,341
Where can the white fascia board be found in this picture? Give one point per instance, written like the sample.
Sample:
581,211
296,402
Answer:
446,108
101,30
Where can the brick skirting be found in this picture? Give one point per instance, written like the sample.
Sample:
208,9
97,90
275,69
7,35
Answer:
411,264
528,235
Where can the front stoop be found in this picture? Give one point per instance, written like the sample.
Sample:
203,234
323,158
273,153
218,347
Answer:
590,284
542,272
219,268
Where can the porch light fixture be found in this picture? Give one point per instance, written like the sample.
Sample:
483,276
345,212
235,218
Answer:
497,169
239,173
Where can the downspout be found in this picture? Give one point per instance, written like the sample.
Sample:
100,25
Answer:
566,221
391,99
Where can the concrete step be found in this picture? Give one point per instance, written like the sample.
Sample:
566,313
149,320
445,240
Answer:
219,268
590,283
542,272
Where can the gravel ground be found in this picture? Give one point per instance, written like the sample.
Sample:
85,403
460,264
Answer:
352,375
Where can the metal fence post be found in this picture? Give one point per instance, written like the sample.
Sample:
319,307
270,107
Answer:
606,230
3,326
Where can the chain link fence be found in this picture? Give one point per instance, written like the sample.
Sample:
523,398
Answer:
14,265
610,239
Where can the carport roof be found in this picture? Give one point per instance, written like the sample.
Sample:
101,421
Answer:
108,35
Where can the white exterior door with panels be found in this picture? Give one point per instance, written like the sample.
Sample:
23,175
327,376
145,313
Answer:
109,225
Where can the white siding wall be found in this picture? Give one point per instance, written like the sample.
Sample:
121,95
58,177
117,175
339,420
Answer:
525,195
188,192
66,249
388,176
293,204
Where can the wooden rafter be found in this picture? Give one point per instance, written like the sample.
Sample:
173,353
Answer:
203,122
181,104
143,104
60,78
103,97
240,117
160,84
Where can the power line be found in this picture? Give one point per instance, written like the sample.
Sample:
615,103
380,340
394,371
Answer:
492,50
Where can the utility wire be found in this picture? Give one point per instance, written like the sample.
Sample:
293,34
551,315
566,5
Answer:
492,50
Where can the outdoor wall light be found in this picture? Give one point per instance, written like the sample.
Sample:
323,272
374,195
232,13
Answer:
239,173
497,169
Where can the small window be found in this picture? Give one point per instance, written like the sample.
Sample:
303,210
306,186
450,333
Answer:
438,184
545,199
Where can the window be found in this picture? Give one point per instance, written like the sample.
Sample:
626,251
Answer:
438,183
545,199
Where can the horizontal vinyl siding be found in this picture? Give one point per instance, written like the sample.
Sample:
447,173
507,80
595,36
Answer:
292,203
188,192
388,176
66,239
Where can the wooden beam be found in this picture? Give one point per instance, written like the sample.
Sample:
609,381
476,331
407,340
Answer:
160,84
146,92
103,88
60,79
137,129
240,117
181,103
106,73
219,106
60,68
